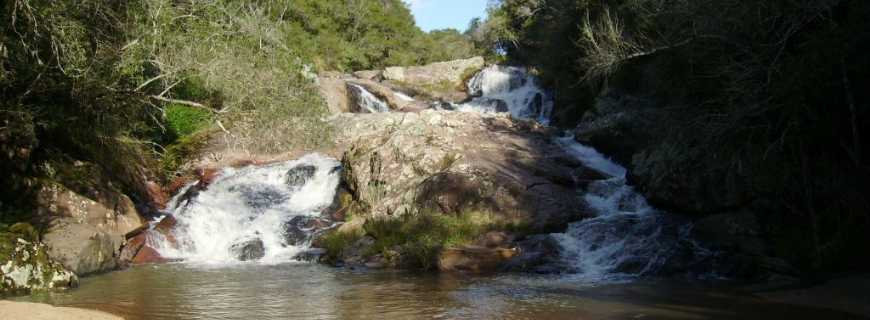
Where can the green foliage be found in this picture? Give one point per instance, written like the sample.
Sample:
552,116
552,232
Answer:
184,120
337,241
761,95
421,236
184,149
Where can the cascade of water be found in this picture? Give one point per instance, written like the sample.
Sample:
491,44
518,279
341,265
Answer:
508,89
367,101
253,213
626,237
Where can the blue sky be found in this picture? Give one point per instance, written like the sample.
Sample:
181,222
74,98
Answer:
440,14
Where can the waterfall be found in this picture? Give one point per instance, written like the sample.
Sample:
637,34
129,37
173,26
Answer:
509,89
266,213
367,101
626,237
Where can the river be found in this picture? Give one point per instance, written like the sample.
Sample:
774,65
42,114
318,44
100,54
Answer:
311,291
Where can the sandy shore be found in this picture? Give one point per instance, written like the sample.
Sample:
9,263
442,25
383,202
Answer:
36,311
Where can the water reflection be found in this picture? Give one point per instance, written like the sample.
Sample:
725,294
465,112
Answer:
306,291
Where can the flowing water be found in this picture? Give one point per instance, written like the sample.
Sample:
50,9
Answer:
367,101
255,211
239,240
626,238
508,89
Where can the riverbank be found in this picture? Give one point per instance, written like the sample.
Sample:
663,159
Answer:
37,311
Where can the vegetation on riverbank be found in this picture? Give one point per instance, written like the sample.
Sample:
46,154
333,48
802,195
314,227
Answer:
136,88
414,240
764,96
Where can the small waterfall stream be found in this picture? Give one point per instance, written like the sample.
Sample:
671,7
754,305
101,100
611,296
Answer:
626,237
269,213
508,89
264,213
367,101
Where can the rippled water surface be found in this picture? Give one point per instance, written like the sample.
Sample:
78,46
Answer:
308,291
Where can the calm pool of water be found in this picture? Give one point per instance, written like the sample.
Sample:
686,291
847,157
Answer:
309,291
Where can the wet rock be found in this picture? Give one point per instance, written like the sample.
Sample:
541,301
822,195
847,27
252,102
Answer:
474,259
538,253
146,255
249,250
311,255
501,106
302,229
299,175
138,247
260,197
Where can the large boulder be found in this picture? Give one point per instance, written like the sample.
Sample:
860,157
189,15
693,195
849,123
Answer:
452,72
453,162
249,250
83,234
333,89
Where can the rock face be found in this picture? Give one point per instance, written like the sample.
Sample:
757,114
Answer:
333,89
451,161
451,72
395,86
85,235
29,268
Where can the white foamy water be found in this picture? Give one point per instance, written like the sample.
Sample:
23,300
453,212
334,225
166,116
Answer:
626,237
508,89
367,101
403,96
249,204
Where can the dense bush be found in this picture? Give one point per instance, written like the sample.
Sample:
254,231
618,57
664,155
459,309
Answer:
760,94
130,84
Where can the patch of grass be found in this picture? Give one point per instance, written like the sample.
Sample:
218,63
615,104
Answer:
184,120
420,237
184,149
337,241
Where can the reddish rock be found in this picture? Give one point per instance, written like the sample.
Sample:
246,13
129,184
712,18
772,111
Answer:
131,248
165,227
156,196
179,183
207,176
148,254
474,259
